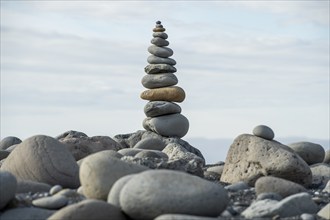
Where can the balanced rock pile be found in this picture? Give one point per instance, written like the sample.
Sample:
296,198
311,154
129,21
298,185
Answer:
163,114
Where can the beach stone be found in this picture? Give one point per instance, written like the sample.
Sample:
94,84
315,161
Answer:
264,131
327,187
327,157
155,192
321,174
307,216
311,153
26,186
4,154
55,189
216,169
9,141
51,202
269,195
159,68
43,159
293,205
325,212
277,185
89,209
26,213
160,42
173,125
183,217
129,140
176,151
163,52
152,59
11,148
99,171
158,108
114,194
152,81
160,34
237,186
171,94
81,146
8,185
151,154
154,143
158,29
71,134
250,157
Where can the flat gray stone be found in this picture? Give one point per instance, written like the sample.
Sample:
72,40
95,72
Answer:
89,209
311,153
153,143
152,59
321,174
264,131
130,151
216,169
152,81
51,202
160,34
269,195
325,212
277,185
7,188
237,186
183,217
9,141
99,171
55,189
155,192
163,52
26,213
173,125
26,186
160,42
250,157
159,108
159,68
293,205
43,159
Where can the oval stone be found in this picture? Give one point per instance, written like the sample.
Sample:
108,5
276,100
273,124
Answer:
158,108
51,202
160,42
160,34
152,59
311,153
155,192
9,141
152,81
8,187
150,144
173,125
171,94
264,131
158,29
159,68
164,52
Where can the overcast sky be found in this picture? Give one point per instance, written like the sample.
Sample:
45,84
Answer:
78,65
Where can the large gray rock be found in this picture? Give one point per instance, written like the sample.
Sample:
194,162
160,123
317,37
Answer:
250,157
81,146
311,153
27,186
157,60
129,140
158,108
43,159
99,171
154,143
26,213
173,125
9,141
152,81
8,185
293,205
155,192
163,52
321,174
89,209
277,185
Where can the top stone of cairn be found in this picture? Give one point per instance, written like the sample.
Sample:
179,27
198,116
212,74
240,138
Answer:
159,27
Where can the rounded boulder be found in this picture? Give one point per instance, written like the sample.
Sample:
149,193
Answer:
311,153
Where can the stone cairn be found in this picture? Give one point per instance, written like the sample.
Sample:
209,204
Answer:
163,114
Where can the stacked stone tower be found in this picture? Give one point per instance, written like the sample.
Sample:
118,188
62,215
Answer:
163,114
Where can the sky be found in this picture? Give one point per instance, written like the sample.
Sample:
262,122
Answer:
78,65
